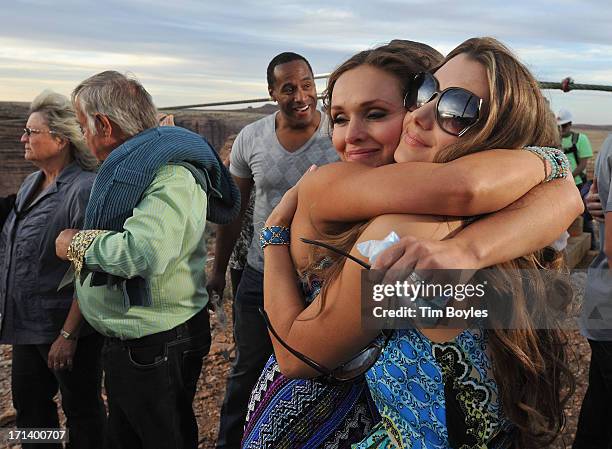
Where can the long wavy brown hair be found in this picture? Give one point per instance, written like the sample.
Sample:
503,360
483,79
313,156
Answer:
529,361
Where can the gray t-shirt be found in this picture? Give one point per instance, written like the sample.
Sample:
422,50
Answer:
596,317
258,154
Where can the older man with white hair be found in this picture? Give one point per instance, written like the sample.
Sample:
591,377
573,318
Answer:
139,262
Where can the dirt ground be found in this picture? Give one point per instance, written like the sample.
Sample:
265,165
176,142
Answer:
209,396
217,365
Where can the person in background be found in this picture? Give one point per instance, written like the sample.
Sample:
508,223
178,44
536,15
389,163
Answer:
269,156
139,259
596,320
52,347
238,259
577,148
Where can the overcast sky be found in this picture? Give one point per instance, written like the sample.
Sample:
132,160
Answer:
188,51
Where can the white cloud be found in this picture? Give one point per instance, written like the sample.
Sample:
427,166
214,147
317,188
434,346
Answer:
189,49
25,52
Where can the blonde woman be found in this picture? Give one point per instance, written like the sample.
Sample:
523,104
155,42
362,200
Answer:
52,347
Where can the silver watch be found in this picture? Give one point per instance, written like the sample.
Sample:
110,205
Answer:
67,335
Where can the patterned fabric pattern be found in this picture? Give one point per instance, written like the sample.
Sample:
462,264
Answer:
78,245
416,382
238,259
288,413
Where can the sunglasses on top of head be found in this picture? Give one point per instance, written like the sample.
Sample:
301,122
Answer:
457,109
357,365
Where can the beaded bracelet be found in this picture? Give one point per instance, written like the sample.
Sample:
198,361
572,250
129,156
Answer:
274,235
560,166
563,162
544,156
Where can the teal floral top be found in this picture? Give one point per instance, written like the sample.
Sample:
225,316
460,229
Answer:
434,395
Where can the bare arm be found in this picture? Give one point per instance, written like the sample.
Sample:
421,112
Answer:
74,320
471,185
226,239
284,303
526,226
329,337
61,353
580,167
523,227
334,334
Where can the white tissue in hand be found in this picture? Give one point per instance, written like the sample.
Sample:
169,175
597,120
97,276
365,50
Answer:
561,243
372,248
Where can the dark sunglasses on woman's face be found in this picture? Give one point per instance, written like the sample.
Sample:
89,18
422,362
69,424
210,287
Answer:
356,366
457,109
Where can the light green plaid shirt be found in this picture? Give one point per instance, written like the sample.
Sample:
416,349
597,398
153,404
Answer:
163,242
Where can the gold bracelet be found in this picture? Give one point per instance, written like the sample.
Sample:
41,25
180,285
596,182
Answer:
78,246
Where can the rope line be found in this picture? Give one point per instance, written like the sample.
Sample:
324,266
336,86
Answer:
566,85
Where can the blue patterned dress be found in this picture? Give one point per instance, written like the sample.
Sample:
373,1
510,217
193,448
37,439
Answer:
436,396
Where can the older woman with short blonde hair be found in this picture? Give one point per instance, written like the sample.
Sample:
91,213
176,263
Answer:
51,348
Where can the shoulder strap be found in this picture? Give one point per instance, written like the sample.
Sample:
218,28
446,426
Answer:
575,137
573,149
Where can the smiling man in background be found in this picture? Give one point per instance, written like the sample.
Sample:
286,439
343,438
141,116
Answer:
270,155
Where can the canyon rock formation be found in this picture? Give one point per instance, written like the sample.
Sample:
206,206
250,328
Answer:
214,125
